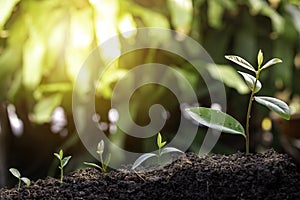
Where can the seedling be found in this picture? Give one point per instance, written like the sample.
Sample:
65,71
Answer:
161,151
220,121
104,164
17,174
63,162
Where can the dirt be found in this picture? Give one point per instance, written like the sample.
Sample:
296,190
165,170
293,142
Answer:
255,176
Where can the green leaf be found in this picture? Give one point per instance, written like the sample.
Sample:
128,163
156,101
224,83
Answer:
15,172
160,144
275,105
250,80
170,150
44,108
215,14
100,148
65,161
26,181
181,13
142,158
240,61
33,55
229,76
216,119
57,156
92,165
61,154
271,62
260,57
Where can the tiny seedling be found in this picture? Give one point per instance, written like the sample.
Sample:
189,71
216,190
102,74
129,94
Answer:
104,164
223,122
161,151
17,174
63,162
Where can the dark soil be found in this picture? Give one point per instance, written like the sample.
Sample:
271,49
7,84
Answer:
256,176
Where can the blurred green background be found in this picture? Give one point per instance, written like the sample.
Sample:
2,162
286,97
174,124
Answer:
43,44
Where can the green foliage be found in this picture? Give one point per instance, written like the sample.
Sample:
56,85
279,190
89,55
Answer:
161,151
217,120
63,162
220,121
44,43
104,163
17,174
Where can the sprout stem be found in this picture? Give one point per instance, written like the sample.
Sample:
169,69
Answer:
249,110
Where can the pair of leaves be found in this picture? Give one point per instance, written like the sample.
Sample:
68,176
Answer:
146,156
17,174
63,161
242,62
223,122
251,80
100,150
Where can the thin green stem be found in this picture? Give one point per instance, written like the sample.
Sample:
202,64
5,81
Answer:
61,173
158,156
102,164
19,184
247,122
249,110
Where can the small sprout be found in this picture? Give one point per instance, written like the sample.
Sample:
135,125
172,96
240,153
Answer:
161,151
223,122
104,164
63,162
17,174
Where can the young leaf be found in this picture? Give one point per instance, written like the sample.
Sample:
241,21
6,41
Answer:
169,150
160,144
271,62
141,159
61,154
240,61
216,119
260,58
57,155
275,105
15,172
65,161
250,80
92,165
26,181
100,148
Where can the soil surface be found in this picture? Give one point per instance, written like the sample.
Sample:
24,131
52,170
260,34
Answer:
255,176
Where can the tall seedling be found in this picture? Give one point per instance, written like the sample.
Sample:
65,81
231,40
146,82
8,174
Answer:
220,121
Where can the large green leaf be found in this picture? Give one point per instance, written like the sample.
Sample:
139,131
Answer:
250,80
216,119
275,105
240,61
271,62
